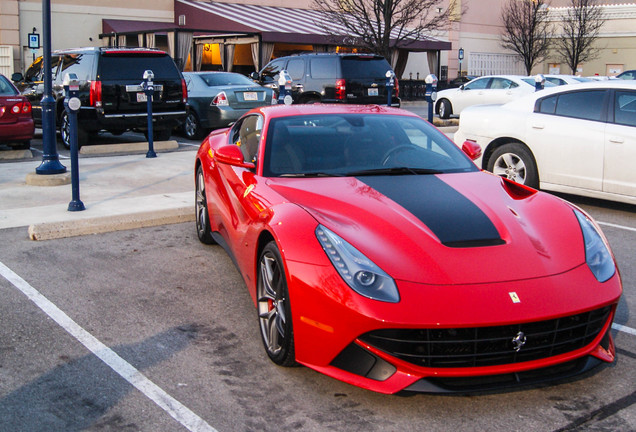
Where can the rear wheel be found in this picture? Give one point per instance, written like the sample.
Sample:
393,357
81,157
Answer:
514,162
201,210
192,126
445,109
274,310
65,132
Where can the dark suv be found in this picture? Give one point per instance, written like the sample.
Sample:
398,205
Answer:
333,78
110,91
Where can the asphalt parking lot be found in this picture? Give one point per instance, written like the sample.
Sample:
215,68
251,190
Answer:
149,330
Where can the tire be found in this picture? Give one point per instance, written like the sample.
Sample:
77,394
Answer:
162,134
192,126
65,132
201,210
515,162
274,309
445,109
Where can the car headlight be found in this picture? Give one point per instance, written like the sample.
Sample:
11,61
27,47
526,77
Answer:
358,271
597,253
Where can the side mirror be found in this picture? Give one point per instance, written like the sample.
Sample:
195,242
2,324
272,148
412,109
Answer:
472,149
232,155
17,77
254,76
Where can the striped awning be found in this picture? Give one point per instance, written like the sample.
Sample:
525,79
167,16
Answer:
274,24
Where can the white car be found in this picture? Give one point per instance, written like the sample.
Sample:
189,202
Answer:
491,89
573,139
565,79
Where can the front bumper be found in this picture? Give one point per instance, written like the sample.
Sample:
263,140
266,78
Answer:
329,332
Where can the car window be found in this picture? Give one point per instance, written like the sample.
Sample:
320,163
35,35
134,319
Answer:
224,79
323,68
477,84
79,64
555,80
125,67
6,89
247,136
296,69
270,73
358,144
583,104
364,67
502,83
625,108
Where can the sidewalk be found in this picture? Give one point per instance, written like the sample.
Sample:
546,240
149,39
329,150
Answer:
119,192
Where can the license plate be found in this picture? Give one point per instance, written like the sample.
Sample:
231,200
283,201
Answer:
141,97
373,92
250,96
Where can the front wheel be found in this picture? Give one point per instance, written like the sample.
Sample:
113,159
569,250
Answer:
274,309
515,162
445,109
201,210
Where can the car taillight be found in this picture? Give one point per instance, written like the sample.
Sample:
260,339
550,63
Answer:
184,91
397,88
340,89
20,108
96,94
220,100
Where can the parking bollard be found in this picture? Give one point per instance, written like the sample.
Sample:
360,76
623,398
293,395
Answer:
284,83
72,105
539,82
149,89
390,82
431,94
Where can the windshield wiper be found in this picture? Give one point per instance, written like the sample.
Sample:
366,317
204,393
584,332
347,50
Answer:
394,171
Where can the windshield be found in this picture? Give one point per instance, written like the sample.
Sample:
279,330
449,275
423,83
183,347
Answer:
359,144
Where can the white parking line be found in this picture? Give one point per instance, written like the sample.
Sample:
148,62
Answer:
624,329
178,411
617,226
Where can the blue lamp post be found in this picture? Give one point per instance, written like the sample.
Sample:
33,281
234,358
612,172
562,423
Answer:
50,159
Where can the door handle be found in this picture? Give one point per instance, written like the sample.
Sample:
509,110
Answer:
617,140
538,126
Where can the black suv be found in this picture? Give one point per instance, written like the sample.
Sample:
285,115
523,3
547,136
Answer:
333,78
110,91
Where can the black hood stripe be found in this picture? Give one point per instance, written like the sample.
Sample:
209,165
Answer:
452,217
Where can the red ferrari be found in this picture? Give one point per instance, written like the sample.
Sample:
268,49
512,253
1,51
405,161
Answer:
16,122
377,253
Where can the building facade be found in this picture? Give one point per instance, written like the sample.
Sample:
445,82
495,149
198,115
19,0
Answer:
164,23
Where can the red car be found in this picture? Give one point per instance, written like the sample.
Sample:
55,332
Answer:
16,122
377,253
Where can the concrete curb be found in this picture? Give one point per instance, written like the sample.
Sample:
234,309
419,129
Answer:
34,179
98,225
15,154
130,148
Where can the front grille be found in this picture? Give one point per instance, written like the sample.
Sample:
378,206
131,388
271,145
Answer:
490,346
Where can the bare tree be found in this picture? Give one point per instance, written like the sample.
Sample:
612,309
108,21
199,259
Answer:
527,30
380,26
581,26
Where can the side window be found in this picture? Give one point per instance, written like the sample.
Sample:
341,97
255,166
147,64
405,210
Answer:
270,73
323,68
500,83
586,105
79,64
625,108
547,105
296,69
477,84
247,136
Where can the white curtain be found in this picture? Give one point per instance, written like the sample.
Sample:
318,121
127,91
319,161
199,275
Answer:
199,61
171,44
121,40
184,41
431,57
140,39
229,57
150,40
